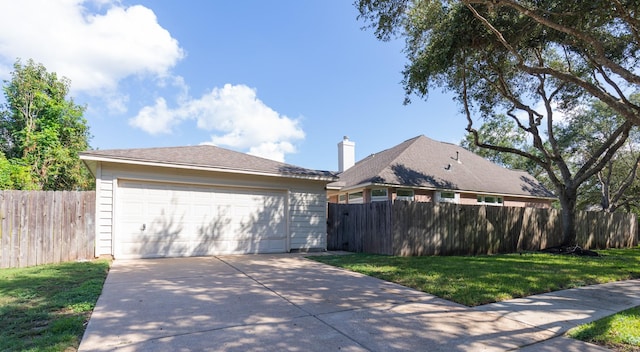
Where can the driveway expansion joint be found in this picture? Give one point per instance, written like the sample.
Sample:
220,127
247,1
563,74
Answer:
333,310
294,304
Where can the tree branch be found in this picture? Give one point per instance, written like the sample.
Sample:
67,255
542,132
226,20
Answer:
601,57
606,151
628,181
630,113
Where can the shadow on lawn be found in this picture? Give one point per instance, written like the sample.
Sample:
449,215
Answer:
48,305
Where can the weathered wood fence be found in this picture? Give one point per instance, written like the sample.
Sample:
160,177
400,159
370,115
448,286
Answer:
414,229
44,227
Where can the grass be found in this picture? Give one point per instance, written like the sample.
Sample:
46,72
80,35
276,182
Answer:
619,332
46,308
477,280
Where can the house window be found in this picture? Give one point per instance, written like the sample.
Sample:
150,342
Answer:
342,198
489,200
405,194
356,198
448,197
379,195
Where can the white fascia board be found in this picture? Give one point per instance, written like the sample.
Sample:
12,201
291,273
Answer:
202,168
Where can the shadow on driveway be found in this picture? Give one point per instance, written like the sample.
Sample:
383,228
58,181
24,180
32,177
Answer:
286,303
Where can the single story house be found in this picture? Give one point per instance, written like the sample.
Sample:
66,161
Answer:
424,170
204,200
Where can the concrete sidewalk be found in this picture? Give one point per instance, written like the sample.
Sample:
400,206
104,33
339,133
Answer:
289,303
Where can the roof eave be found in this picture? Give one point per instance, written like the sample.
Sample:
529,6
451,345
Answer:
131,161
373,184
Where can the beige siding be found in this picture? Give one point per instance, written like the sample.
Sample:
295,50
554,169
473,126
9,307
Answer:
104,209
308,217
306,211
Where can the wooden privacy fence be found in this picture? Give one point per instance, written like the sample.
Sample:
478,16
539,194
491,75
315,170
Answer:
44,227
414,229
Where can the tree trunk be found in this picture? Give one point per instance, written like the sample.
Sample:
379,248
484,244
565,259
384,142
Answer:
568,197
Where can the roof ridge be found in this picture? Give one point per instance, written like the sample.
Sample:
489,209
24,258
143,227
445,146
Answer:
226,150
408,143
165,147
194,156
425,162
400,149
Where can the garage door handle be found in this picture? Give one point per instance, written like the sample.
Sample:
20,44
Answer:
144,226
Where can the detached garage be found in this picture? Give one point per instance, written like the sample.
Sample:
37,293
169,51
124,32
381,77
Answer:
204,200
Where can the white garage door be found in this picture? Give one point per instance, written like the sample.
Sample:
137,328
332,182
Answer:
168,220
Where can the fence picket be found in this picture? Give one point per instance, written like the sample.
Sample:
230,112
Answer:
44,227
414,229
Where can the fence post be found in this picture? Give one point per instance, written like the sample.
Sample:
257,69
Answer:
413,228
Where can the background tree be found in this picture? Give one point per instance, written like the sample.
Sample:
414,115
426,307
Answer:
616,185
500,130
13,175
528,60
43,130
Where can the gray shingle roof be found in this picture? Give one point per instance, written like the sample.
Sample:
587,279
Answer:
424,162
207,156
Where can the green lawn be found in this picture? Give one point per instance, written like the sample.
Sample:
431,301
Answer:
477,280
46,308
620,332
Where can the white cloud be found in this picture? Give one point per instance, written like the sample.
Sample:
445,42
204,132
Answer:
94,50
244,121
156,119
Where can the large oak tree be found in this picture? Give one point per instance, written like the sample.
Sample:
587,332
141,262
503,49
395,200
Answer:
528,60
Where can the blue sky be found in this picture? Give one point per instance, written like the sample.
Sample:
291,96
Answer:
278,79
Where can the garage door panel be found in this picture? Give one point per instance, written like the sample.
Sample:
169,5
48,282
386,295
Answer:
158,220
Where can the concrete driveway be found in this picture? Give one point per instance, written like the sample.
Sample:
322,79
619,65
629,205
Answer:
288,303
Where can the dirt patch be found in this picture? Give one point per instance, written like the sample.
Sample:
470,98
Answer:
570,250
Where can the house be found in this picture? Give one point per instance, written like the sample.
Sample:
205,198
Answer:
204,200
424,170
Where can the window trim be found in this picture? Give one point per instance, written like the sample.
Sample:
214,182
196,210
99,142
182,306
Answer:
380,198
410,198
454,200
358,197
481,199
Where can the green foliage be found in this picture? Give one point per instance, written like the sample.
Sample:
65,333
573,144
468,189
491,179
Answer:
487,41
43,131
46,308
476,280
616,186
502,131
529,61
15,175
